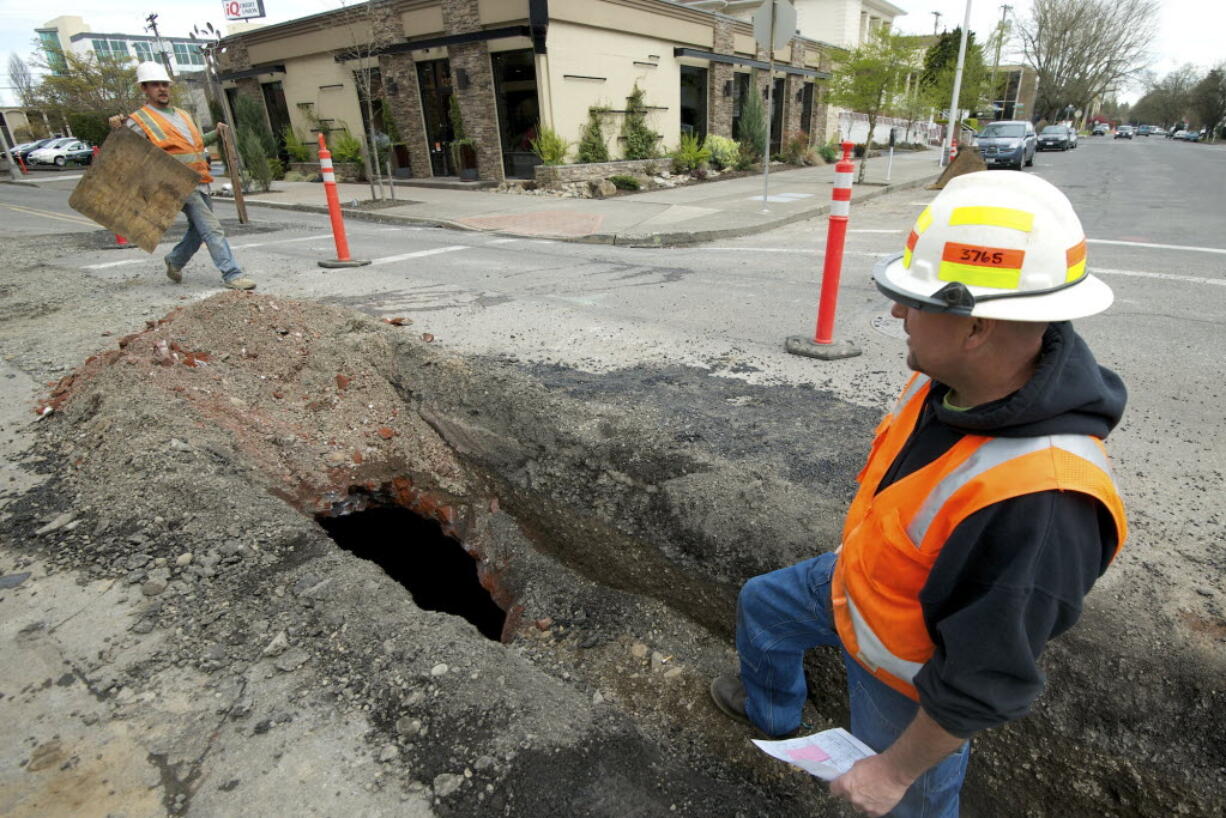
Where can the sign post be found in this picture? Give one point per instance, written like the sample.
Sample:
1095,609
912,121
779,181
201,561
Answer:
774,25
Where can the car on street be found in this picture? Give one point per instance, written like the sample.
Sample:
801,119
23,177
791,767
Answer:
61,152
1057,138
1100,129
1008,143
1123,132
23,150
1145,130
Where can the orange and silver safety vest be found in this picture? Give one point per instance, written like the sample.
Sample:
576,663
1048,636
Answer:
167,137
892,538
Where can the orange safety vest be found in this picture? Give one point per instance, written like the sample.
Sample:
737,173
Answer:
892,538
167,137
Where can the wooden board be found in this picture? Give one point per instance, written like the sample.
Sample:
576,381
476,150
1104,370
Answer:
229,155
134,189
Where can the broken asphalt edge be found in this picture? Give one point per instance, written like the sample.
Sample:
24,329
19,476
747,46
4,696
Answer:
663,239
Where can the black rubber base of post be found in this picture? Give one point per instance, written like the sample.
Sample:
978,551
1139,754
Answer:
353,262
804,345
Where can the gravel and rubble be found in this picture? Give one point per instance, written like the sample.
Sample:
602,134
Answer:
187,631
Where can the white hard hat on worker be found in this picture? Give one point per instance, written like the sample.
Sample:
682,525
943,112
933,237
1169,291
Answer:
151,72
1002,245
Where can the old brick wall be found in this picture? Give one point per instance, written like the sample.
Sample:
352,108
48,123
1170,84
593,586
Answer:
719,105
473,84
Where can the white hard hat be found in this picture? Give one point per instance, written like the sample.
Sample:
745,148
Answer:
151,72
1004,245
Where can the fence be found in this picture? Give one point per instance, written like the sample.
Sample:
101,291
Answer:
853,127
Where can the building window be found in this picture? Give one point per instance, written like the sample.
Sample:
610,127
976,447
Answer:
116,49
188,54
144,52
50,41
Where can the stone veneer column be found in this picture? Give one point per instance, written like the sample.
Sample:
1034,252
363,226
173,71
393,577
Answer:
719,75
403,95
793,87
478,105
401,91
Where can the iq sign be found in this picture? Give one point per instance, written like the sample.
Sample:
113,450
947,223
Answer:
243,9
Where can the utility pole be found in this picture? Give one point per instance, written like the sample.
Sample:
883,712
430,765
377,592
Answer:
1000,40
936,20
152,20
14,171
955,113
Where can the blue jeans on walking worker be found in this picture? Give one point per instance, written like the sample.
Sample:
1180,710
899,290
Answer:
203,227
781,615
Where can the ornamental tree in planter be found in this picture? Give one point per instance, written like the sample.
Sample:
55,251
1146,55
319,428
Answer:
463,149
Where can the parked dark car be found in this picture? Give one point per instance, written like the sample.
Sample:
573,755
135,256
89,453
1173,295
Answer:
24,150
1123,132
1056,138
1008,143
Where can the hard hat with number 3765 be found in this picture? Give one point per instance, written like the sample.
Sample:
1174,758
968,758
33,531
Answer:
1002,245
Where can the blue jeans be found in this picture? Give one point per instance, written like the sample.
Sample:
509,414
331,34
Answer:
782,614
203,226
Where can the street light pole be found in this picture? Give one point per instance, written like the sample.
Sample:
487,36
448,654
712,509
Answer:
954,112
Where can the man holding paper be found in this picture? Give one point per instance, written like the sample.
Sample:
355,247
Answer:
985,512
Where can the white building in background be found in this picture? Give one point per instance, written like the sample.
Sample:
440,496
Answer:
845,23
72,35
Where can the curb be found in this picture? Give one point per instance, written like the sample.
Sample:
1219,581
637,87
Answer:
646,240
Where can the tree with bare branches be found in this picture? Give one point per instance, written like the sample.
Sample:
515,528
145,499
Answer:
1084,49
22,80
1166,100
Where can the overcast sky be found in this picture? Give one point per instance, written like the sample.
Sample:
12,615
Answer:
1190,31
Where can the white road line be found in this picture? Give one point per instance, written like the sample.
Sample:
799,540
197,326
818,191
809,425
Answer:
281,241
1158,246
875,231
501,241
114,263
420,254
1218,282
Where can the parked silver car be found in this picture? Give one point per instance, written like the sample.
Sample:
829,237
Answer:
1009,143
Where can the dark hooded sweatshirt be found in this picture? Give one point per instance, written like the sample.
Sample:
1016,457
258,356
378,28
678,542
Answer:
1013,575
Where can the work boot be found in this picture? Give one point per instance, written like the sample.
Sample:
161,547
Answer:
239,283
729,696
174,273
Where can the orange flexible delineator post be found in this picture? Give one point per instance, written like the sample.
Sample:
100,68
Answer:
334,212
822,345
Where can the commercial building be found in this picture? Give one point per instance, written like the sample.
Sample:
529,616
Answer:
72,35
508,66
1017,87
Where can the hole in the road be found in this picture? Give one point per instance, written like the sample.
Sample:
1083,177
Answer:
413,550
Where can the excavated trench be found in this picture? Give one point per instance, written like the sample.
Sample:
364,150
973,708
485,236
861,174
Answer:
434,568
598,527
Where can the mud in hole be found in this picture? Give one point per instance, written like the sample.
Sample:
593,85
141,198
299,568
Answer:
413,550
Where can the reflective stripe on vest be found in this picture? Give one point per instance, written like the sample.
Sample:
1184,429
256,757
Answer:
892,537
188,149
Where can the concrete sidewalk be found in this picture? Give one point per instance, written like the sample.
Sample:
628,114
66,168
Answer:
682,215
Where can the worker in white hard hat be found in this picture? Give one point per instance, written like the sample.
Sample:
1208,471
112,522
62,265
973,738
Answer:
173,130
984,514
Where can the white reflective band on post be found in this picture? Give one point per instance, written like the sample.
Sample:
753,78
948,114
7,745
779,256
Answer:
842,179
329,176
989,456
325,163
840,208
874,652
